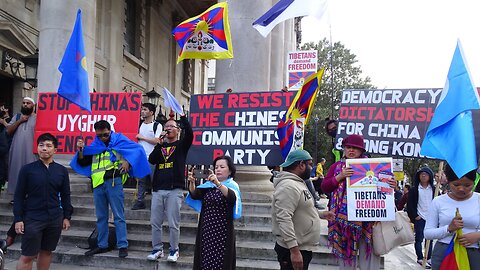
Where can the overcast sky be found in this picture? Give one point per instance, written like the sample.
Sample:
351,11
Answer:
403,44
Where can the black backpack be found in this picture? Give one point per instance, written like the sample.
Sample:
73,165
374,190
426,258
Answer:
155,125
92,241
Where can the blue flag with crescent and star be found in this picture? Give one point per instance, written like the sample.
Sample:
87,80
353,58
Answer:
74,83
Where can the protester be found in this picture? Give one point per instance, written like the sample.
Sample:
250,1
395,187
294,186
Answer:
219,203
41,213
331,127
317,181
419,200
403,200
397,194
351,241
442,222
169,157
21,128
4,147
295,221
108,161
147,136
274,170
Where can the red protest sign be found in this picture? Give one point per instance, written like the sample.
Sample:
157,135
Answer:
68,123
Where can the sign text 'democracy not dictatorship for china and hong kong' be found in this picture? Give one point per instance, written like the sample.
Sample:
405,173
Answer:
392,121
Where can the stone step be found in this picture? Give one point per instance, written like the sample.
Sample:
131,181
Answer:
87,197
243,233
187,215
70,255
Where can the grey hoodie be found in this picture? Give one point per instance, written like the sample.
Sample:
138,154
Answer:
295,220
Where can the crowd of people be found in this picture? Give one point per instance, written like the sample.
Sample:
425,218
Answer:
158,162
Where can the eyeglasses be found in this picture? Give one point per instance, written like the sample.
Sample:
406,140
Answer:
104,135
171,126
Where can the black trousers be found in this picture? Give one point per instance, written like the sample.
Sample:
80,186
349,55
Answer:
283,257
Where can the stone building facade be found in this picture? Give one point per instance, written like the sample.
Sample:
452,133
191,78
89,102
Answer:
128,43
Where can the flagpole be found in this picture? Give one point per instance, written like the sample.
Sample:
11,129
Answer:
80,153
332,73
437,191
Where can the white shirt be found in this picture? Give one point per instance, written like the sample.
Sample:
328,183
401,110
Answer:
147,131
442,211
425,196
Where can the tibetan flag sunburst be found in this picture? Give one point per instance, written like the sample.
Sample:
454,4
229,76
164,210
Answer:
206,36
293,121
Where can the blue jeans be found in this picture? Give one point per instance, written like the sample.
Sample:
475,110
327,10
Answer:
143,183
419,227
105,195
166,203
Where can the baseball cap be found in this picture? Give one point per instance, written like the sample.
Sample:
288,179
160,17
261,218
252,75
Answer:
296,155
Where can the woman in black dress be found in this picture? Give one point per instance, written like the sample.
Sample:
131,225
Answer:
218,201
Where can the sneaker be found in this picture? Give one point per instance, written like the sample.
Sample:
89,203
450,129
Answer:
123,252
173,257
427,265
155,255
138,205
3,246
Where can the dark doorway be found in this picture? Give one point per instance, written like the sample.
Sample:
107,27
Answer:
6,91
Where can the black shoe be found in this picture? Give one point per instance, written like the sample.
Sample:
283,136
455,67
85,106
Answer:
122,252
139,205
3,246
96,250
11,202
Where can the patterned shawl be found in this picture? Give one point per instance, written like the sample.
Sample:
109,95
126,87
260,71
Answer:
343,235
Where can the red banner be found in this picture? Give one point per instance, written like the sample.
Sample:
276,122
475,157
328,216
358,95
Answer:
68,123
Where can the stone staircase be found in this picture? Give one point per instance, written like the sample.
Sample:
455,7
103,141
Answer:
253,234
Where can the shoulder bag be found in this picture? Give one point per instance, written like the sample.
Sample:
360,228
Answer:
388,235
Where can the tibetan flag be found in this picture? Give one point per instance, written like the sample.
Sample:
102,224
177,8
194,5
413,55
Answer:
452,120
298,113
455,257
74,83
287,9
206,36
171,102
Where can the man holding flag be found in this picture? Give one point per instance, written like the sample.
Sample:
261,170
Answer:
168,183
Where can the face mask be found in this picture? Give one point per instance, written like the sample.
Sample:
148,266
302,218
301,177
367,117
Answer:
332,133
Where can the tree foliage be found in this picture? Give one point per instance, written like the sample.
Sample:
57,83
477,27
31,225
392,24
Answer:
346,75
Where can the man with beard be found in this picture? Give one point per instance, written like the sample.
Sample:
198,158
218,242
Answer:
295,221
21,128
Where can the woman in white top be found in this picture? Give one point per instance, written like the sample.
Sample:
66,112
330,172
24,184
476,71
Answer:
442,223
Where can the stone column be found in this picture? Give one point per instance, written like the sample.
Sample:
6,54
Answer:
57,18
258,65
249,70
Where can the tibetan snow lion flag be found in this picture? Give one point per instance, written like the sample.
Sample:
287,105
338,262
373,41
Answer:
290,128
206,36
455,257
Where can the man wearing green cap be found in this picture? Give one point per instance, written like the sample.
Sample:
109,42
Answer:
295,220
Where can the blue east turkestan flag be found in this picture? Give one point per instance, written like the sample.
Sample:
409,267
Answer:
171,102
450,135
74,83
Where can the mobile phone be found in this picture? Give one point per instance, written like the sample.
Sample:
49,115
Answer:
201,173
